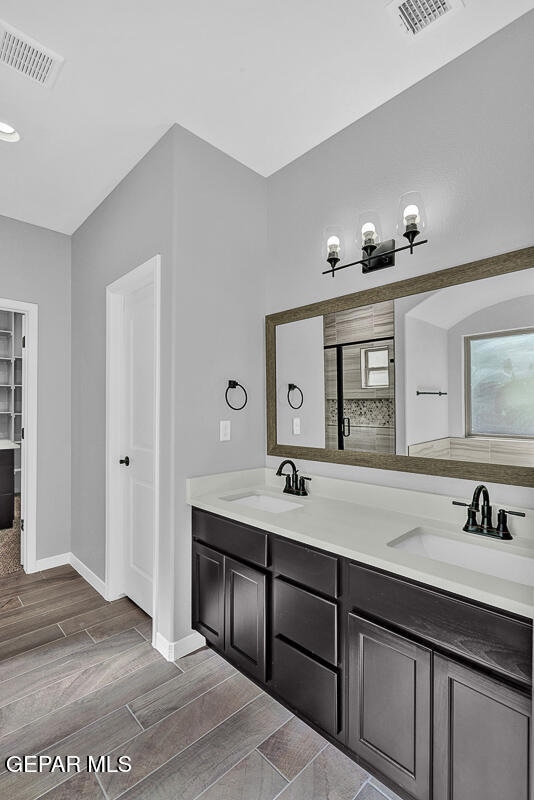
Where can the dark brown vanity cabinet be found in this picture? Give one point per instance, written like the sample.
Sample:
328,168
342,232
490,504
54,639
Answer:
481,736
413,704
389,704
229,607
429,690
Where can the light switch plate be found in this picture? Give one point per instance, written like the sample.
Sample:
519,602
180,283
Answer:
225,430
296,426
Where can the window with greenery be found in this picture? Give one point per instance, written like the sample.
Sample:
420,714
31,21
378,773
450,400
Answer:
500,384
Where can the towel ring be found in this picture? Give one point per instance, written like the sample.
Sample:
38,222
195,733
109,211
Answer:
235,385
293,387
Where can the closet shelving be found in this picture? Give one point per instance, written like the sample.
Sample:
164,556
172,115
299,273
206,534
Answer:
11,383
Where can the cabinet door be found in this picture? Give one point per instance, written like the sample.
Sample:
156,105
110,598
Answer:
208,594
481,736
245,617
389,705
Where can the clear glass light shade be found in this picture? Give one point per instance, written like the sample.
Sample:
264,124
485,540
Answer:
411,212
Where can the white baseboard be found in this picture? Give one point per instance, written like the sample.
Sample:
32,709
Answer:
169,650
173,650
69,558
49,563
88,574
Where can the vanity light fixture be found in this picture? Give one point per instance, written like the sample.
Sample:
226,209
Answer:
8,133
378,254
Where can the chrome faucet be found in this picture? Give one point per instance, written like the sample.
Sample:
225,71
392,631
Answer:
486,525
294,484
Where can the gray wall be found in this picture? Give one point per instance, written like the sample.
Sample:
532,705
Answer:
205,214
35,268
462,137
219,306
131,225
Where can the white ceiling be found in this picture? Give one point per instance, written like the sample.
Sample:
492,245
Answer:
262,81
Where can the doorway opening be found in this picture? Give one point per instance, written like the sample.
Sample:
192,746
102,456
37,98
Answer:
132,436
18,427
11,439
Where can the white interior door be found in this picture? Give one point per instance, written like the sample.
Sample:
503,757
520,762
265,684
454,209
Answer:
138,444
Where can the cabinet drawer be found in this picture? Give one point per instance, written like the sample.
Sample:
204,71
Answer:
305,619
495,640
308,686
317,570
249,544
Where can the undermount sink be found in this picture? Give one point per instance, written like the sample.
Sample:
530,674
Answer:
471,555
264,502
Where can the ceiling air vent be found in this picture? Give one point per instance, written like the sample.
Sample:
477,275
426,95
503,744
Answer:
28,57
416,15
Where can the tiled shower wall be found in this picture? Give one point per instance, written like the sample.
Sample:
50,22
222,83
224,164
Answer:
377,412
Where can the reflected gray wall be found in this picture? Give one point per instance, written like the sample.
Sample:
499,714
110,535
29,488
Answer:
402,306
300,360
426,370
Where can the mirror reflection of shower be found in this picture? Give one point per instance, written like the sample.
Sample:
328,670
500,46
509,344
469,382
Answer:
359,358
443,374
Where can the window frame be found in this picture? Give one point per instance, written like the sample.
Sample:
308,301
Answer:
366,369
467,384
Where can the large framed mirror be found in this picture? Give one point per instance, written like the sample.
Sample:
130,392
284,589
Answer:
433,374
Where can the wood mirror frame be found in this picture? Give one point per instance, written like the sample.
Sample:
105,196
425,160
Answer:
464,273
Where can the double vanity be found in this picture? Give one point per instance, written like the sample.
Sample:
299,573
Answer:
398,623
373,616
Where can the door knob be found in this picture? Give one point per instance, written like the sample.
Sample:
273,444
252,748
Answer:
125,461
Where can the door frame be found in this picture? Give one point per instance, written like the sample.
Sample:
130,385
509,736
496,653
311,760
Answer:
28,484
146,274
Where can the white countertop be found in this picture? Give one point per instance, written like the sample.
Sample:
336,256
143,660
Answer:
358,521
5,444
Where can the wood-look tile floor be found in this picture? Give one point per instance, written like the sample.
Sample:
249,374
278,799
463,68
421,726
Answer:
79,677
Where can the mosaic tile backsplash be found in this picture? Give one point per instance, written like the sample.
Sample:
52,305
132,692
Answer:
378,413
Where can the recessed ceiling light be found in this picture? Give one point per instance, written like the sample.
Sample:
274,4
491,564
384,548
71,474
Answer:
8,133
